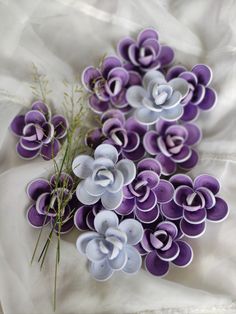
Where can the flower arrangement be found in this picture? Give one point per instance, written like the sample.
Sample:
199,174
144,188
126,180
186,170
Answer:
123,181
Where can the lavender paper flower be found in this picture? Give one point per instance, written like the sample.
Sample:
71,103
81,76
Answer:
200,95
38,132
163,246
146,53
46,196
110,248
103,177
171,144
107,86
157,99
125,135
195,202
145,192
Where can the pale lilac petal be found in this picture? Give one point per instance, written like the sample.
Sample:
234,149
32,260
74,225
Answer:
134,261
120,261
84,239
104,220
128,169
106,151
135,95
82,166
146,116
180,85
133,230
172,114
101,270
84,197
111,201
93,252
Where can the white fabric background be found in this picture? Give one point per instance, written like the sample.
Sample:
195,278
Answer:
62,37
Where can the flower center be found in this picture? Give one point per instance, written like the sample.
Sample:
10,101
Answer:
146,55
119,137
161,240
113,86
104,177
111,245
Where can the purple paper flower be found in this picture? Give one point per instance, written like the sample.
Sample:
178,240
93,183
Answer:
200,95
108,85
110,248
47,197
38,132
195,202
163,246
146,53
125,135
157,99
103,177
144,193
85,215
171,144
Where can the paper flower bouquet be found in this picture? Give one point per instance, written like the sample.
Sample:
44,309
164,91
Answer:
123,181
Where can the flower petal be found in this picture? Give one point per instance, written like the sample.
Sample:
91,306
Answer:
155,265
84,197
191,162
152,77
89,76
42,107
192,230
112,200
128,169
146,116
81,216
148,216
35,219
174,71
172,211
35,116
191,112
164,191
106,151
149,203
150,142
209,99
194,134
17,125
50,150
98,106
60,126
183,155
172,114
108,64
93,252
135,95
101,271
207,181
26,154
104,220
180,85
84,239
149,164
203,73
181,193
126,207
123,47
166,55
185,256
167,165
170,254
133,229
36,187
181,179
219,212
92,188
195,217
134,260
169,227
120,261
82,166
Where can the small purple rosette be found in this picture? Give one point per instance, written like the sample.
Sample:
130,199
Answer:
200,95
162,247
146,53
157,99
144,194
38,132
125,135
103,177
107,85
46,196
194,203
111,247
172,145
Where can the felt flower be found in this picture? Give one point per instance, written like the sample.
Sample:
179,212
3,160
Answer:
163,246
125,135
194,203
146,53
103,177
200,95
110,248
47,197
157,98
171,144
144,193
38,132
107,85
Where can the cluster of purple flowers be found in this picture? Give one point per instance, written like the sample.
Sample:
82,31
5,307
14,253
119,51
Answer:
131,197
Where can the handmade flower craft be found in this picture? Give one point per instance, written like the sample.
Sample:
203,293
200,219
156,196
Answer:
157,99
111,247
38,132
125,187
195,202
171,143
103,177
200,95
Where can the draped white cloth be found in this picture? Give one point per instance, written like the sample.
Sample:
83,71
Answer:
62,37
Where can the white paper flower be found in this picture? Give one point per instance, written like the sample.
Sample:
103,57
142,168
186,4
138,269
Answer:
103,177
157,98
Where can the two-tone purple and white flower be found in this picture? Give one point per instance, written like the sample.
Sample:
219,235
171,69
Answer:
103,177
111,247
157,99
144,194
146,53
48,198
172,145
162,247
194,203
38,132
107,85
200,95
